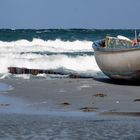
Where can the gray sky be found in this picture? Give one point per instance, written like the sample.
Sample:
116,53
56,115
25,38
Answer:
70,14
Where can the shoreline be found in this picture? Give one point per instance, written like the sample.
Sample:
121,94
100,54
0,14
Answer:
70,96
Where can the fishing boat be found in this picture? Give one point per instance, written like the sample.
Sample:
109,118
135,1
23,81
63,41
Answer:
118,57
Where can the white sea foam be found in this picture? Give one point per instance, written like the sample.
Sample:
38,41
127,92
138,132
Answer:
80,63
14,54
39,45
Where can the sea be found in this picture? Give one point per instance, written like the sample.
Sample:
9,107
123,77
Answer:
63,51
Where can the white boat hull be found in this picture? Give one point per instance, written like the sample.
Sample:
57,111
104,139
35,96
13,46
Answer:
119,63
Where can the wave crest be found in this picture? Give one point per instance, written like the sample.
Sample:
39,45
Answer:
42,45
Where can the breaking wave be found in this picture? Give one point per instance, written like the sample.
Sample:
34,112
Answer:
63,56
42,45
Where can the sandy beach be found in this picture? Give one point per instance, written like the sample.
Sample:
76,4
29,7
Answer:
69,109
78,95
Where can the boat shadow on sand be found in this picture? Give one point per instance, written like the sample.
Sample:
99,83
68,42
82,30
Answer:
119,81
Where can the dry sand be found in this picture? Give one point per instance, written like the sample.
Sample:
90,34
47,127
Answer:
71,95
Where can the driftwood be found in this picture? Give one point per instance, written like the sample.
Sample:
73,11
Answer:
137,100
100,95
17,70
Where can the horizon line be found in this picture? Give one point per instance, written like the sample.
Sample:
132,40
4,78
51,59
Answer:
69,28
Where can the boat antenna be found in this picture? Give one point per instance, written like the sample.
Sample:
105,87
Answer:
135,34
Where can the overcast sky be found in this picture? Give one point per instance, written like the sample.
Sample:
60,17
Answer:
70,14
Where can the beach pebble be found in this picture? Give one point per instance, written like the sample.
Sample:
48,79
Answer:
4,105
88,109
65,103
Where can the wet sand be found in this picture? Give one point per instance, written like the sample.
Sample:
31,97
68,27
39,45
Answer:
69,109
44,127
70,95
